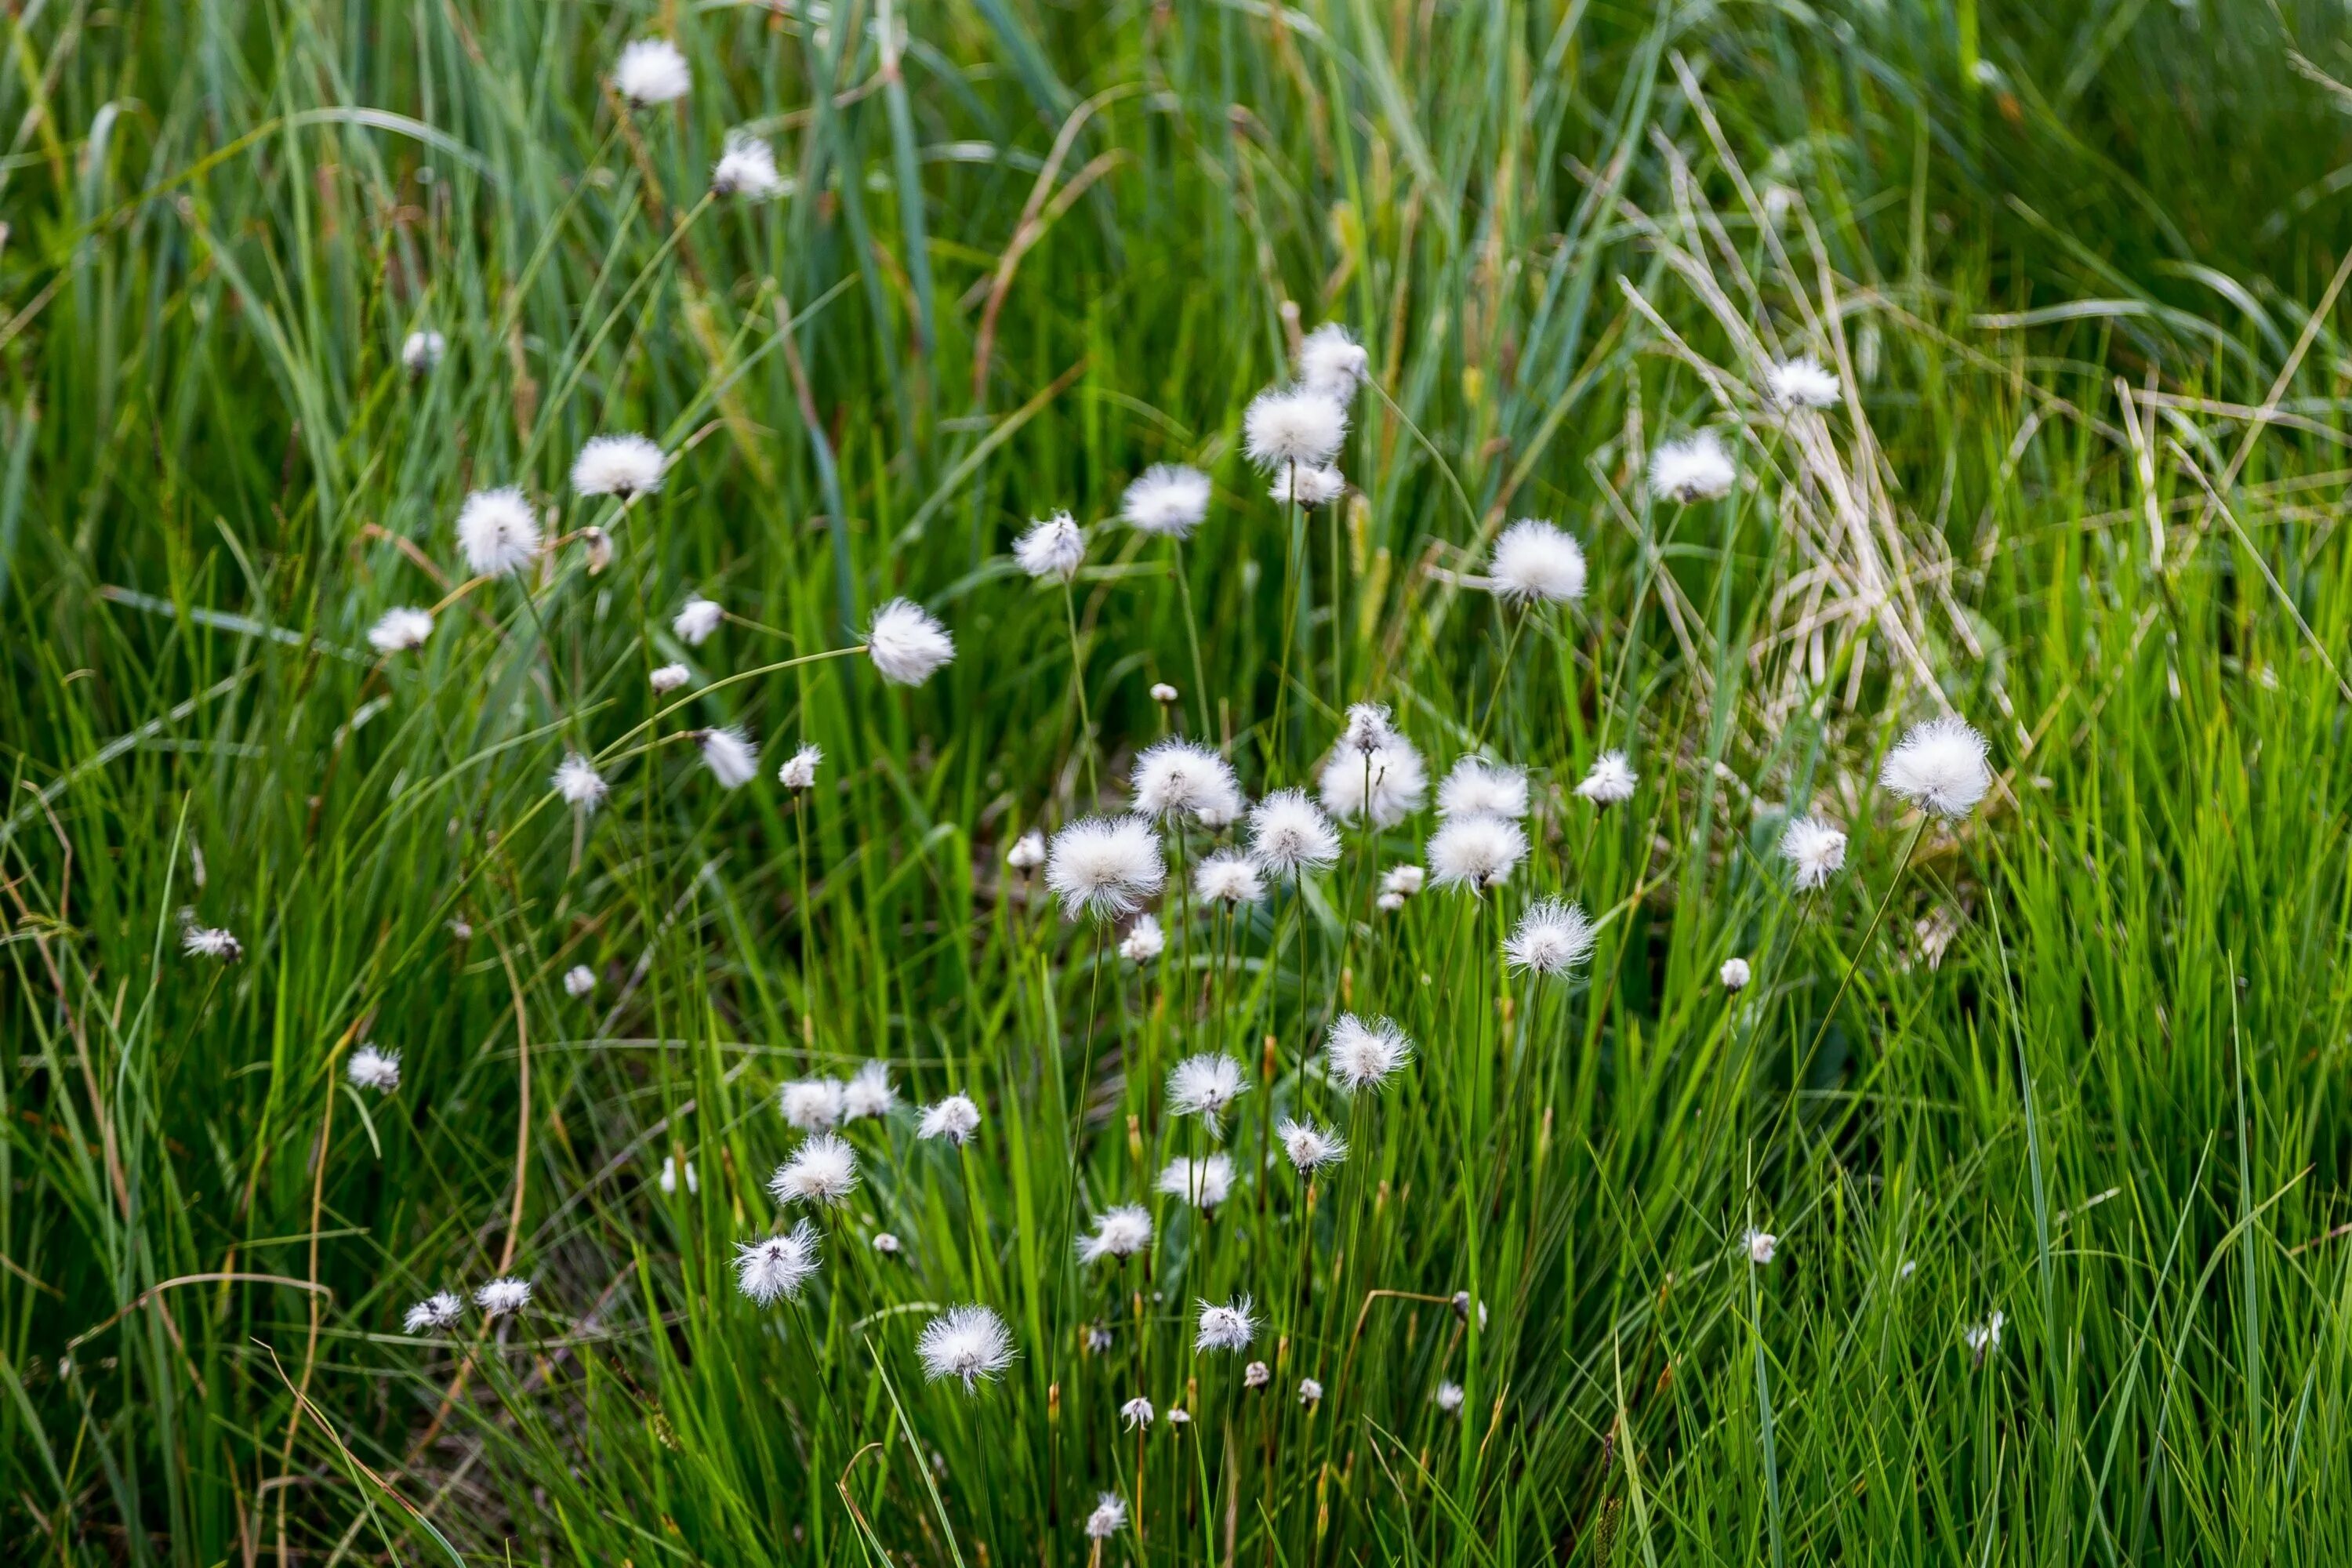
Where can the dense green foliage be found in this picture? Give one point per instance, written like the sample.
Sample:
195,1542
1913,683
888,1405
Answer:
2083,1064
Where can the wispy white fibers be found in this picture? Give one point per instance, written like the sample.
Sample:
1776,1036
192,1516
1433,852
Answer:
730,757
372,1069
1361,1055
1611,780
1108,1518
1801,383
1448,1398
503,1298
1333,362
799,771
1691,469
1227,1327
436,1312
1816,848
1204,1183
652,70
823,1170
971,1342
776,1268
1286,425
399,629
1373,774
422,350
1476,787
1307,487
1028,851
1552,938
1227,878
1104,865
1165,499
746,168
1535,563
955,1119
1137,1413
813,1104
697,619
1053,548
1404,882
1311,1147
211,941
578,782
625,466
1983,1339
906,644
1761,1246
1257,1374
868,1093
1475,852
1310,1391
1205,1086
1290,834
1144,940
1179,778
1120,1232
668,679
497,531
1939,766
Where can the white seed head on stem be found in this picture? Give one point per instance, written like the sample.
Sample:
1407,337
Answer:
1476,853
372,1069
1448,1398
1695,469
823,1170
1228,877
668,678
775,1269
969,1342
1734,975
1163,693
1144,940
1120,1232
503,1298
1382,786
1177,777
955,1119
579,981
1205,1086
1104,865
1310,1147
1231,1327
435,1314
907,645
211,941
1204,1183
497,531
1801,383
1293,424
1535,563
578,782
1053,548
1137,1413
626,465
1310,1391
1290,834
696,620
868,1093
1552,938
1364,1055
799,771
1028,851
746,169
1331,362
670,1169
1165,499
1108,1518
1404,882
650,71
1611,781
1939,766
400,628
1476,787
1761,1246
422,351
1307,487
730,757
1815,847
1984,1337
813,1104
1257,1374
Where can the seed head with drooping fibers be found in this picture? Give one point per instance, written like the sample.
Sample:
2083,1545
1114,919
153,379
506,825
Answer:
1815,847
955,1119
1204,1183
1231,1327
731,755
372,1069
1119,1232
1137,1413
775,1268
1028,851
696,620
1053,548
907,645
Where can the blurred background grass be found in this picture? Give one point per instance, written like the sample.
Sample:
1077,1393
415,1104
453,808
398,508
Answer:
2078,263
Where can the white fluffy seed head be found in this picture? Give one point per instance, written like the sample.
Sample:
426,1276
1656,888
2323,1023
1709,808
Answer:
1364,1055
813,1104
1028,851
625,466
1290,835
1108,1518
579,981
1137,1413
1761,1246
1257,1374
1611,780
1332,361
1734,975
730,757
1535,562
1205,1086
1310,1391
1449,1398
1404,882
1691,469
955,1119
1053,548
1552,938
399,629
1382,786
885,1243
503,1297
578,782
1816,848
1104,865
497,531
668,679
1227,878
1939,766
1801,383
1163,693
1985,1337
652,70
1476,787
1287,424
969,1342
1368,727
823,1170
868,1093
1120,1232
422,351
746,168
372,1069
1231,1327
1307,487
211,941
1310,1147
799,771
1165,499
1144,940
1475,852
1204,1183
776,1268
697,619
1177,777
906,644
438,1311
